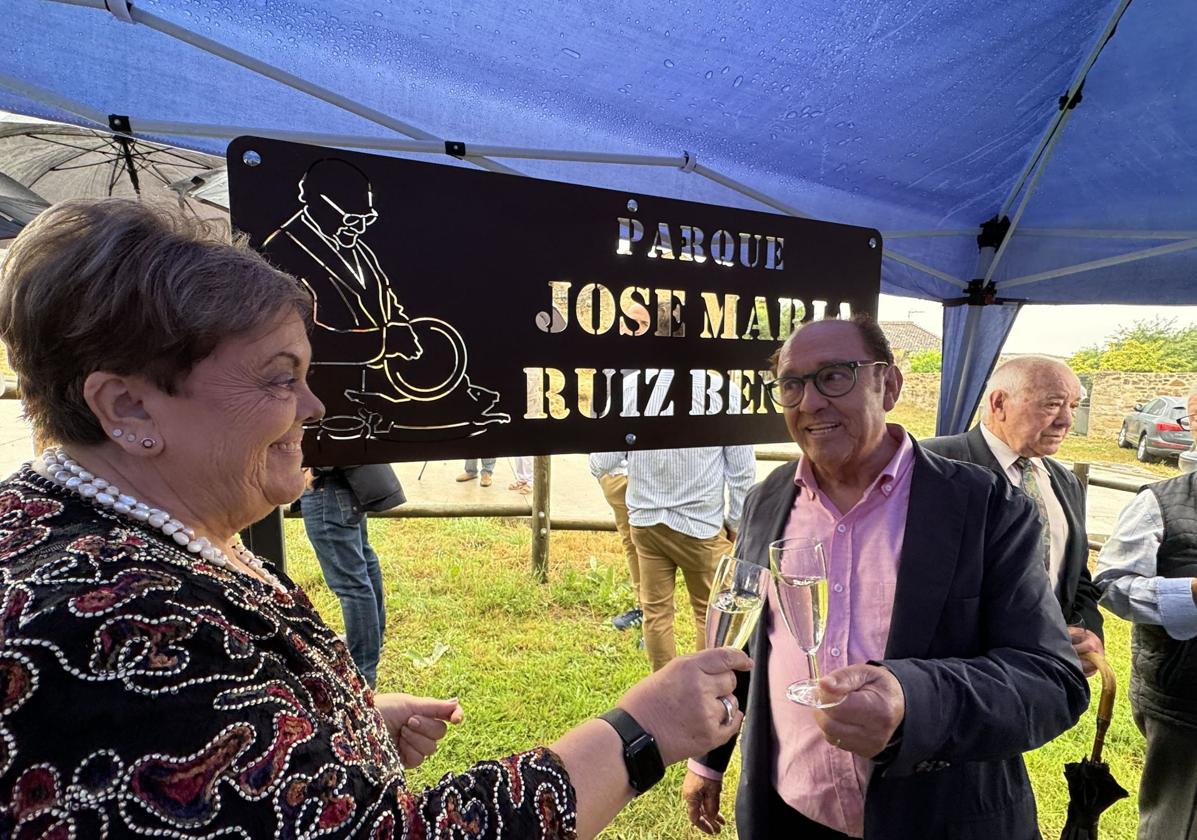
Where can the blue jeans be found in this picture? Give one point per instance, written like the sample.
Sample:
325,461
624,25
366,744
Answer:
336,527
488,465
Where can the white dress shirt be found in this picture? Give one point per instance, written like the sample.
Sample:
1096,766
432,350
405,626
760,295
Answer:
1057,523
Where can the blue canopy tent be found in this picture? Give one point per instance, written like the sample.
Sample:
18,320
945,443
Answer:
1011,153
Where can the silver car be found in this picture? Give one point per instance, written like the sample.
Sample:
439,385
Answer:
1159,429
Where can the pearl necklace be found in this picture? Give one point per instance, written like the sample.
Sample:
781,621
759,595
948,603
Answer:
67,473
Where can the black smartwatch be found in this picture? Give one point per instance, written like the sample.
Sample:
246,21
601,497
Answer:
640,753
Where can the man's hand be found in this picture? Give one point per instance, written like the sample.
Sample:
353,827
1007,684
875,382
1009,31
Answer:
702,802
873,706
417,723
1084,641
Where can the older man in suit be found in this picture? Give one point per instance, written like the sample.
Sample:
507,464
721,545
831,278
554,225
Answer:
943,642
1027,412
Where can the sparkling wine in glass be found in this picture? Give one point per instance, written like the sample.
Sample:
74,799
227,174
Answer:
737,594
800,574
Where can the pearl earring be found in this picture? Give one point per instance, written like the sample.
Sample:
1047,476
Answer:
117,433
148,443
131,437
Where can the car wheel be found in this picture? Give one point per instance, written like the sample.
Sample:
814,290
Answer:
1122,441
1141,453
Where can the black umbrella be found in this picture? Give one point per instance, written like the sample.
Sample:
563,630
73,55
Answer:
1091,786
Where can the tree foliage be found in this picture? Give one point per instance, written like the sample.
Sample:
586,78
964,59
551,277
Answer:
926,361
1152,346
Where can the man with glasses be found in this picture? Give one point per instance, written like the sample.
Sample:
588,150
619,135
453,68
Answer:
1026,414
943,646
322,244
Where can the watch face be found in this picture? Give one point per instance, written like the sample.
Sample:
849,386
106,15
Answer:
643,761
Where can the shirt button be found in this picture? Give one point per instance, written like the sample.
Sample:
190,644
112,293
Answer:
835,651
840,529
839,587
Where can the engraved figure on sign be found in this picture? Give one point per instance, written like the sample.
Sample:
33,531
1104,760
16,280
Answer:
417,363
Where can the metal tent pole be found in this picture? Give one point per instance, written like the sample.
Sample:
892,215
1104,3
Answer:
1066,233
1054,126
926,269
41,94
139,15
1026,198
1121,259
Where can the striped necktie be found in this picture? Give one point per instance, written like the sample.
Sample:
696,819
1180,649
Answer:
1030,486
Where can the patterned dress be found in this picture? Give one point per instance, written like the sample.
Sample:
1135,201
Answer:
144,692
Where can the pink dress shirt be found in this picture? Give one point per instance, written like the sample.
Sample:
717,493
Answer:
862,548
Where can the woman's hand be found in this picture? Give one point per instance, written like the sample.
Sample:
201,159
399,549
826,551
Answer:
682,705
417,723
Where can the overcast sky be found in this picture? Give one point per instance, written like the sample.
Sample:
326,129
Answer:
1056,330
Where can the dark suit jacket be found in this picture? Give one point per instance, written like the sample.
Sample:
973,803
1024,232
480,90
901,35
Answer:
978,644
1077,595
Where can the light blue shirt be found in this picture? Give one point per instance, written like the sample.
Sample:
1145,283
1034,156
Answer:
685,488
1127,573
608,463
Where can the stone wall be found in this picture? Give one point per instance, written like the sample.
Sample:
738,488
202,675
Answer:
1116,394
920,389
1113,395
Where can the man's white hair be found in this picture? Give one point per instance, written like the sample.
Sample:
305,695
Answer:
1016,376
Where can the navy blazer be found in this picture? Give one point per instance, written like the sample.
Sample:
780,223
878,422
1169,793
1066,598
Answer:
1077,595
977,642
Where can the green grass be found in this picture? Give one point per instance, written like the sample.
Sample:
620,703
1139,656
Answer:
530,661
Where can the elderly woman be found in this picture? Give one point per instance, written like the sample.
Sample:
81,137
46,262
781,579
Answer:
156,678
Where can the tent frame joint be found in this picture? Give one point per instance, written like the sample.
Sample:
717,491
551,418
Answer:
122,10
981,293
1069,101
993,232
455,148
689,161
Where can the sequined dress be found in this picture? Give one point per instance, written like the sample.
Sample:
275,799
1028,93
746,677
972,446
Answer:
144,692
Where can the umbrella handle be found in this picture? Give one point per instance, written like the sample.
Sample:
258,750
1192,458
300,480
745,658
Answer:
1105,706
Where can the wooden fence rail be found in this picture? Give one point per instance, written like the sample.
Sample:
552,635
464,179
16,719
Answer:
267,535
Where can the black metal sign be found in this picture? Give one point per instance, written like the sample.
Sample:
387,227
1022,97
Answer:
468,313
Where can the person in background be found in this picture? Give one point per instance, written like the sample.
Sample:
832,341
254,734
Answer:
160,680
335,507
684,508
522,466
1026,414
470,470
943,645
1147,574
613,479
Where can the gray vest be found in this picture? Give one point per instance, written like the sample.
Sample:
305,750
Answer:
1164,679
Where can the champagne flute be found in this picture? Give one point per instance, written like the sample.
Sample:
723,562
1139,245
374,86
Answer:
800,573
737,595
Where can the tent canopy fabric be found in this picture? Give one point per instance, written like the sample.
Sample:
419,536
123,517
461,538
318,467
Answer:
1075,120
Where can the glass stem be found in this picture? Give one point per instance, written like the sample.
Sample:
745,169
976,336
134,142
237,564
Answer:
812,665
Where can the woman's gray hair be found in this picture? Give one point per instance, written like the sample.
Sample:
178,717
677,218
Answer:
118,286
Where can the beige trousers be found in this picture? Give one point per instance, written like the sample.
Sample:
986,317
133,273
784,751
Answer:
662,551
615,488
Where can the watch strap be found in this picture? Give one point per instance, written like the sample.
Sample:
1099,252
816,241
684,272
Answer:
640,753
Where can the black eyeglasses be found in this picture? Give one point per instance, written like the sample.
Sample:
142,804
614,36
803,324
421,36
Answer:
833,380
